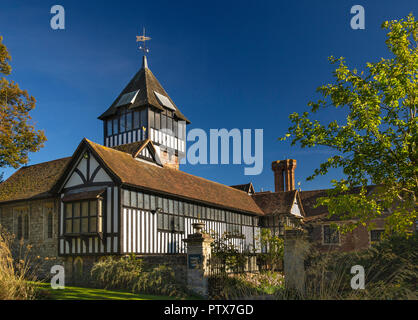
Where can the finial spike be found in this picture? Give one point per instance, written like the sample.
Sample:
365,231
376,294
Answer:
144,62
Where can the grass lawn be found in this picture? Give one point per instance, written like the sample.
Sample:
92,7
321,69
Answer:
78,293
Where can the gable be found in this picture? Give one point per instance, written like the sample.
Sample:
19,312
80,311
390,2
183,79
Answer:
141,150
85,170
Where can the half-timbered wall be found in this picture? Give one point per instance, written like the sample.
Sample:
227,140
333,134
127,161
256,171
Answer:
88,175
144,233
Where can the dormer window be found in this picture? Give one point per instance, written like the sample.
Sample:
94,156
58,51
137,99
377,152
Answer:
127,98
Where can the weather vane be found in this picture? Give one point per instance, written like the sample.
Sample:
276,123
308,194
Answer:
142,39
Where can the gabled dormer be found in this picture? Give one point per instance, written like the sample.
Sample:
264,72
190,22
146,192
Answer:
144,110
143,150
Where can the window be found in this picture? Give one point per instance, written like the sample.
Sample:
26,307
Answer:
129,121
182,130
109,127
144,120
330,235
19,227
157,120
134,199
169,126
136,120
376,235
115,126
122,123
169,222
140,200
26,227
175,128
49,224
83,217
146,201
151,119
126,198
234,230
153,202
163,121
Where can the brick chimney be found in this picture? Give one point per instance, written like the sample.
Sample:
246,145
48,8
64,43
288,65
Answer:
284,174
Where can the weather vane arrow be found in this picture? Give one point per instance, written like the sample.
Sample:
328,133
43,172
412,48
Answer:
143,39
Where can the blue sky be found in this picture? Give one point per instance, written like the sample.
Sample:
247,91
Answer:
226,64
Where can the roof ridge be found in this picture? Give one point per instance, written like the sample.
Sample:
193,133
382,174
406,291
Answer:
180,171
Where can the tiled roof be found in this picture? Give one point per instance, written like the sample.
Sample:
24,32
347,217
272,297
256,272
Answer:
275,202
132,147
248,187
173,182
146,83
32,182
309,201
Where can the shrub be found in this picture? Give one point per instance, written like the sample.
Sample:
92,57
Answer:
391,272
132,274
245,285
15,271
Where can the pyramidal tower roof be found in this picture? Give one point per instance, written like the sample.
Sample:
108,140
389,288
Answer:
149,93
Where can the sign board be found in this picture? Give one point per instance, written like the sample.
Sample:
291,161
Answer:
195,261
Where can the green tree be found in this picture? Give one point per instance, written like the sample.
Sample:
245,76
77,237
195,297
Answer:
272,257
377,142
17,133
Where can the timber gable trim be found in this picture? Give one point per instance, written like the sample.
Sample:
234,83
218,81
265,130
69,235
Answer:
76,158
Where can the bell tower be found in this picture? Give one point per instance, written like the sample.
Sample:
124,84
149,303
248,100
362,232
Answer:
144,110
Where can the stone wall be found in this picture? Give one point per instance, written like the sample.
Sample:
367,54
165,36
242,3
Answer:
43,252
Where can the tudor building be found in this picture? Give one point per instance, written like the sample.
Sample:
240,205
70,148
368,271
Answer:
129,196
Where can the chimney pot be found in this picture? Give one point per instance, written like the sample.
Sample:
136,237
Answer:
284,174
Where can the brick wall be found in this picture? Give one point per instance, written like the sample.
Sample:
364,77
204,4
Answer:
356,240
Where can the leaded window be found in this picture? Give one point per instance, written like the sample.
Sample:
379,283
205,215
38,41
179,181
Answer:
170,222
330,235
19,227
376,235
129,121
26,227
49,224
83,217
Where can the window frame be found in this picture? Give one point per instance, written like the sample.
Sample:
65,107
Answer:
330,236
98,217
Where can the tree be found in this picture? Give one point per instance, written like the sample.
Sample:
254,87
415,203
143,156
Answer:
272,256
17,133
377,142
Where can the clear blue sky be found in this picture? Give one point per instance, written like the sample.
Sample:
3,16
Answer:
226,64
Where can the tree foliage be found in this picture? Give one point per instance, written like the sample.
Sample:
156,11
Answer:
377,142
17,133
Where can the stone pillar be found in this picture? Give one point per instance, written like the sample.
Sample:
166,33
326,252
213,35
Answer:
198,255
296,247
